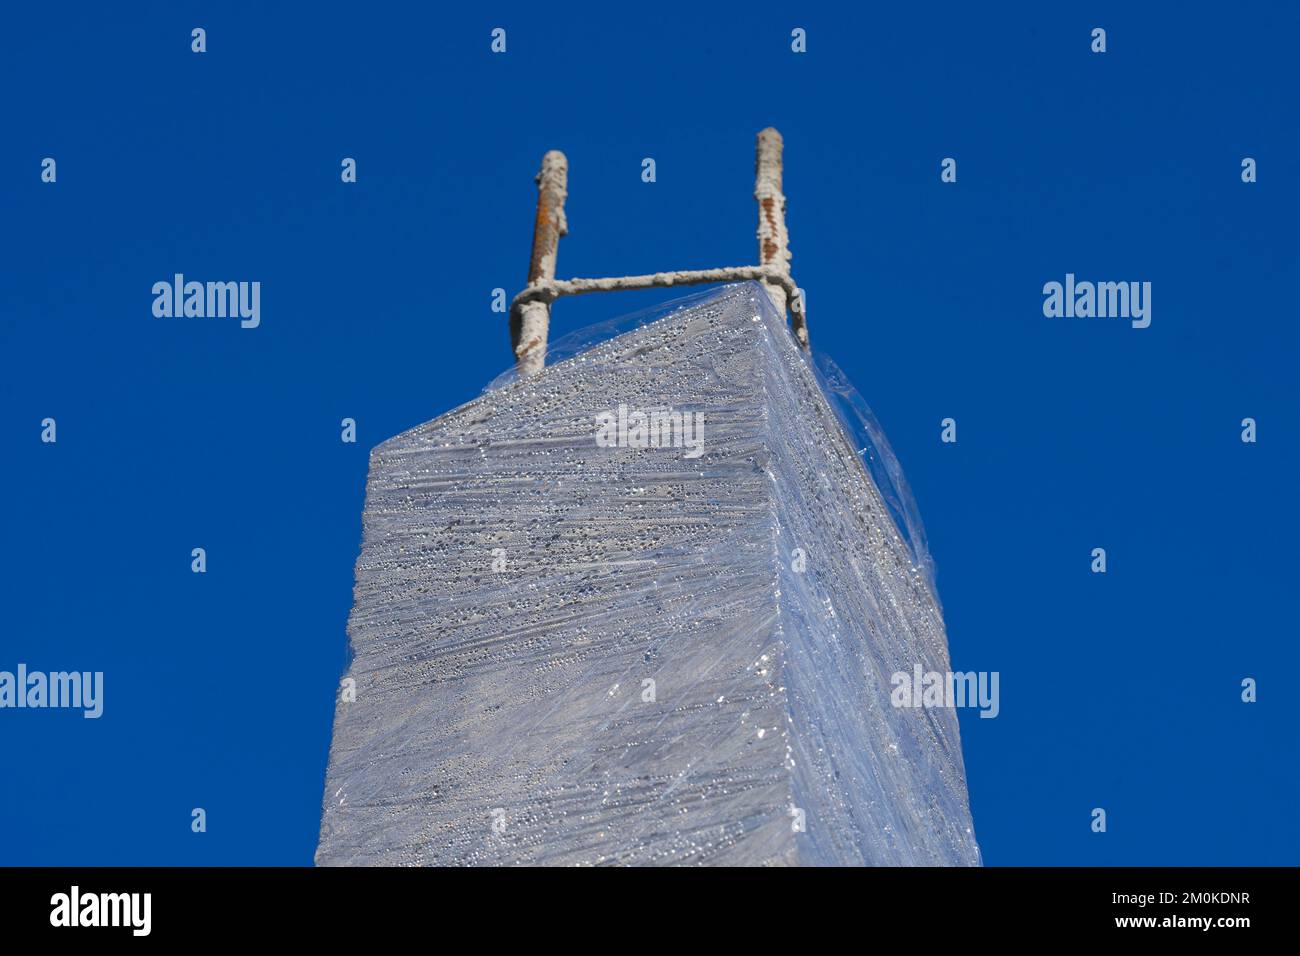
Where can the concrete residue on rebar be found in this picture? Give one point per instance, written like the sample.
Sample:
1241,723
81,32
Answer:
530,312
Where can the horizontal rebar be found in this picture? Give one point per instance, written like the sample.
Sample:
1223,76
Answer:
548,290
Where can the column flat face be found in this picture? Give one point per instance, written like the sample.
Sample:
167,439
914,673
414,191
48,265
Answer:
577,640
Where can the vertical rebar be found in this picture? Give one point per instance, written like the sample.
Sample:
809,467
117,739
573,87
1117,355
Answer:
530,321
773,239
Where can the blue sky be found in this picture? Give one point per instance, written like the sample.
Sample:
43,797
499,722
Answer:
1119,691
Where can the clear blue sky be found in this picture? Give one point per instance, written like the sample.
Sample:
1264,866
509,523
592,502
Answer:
1118,691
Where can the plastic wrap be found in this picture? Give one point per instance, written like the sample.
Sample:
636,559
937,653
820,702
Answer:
573,647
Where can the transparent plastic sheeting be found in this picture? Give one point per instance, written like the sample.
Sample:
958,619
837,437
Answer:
572,649
859,422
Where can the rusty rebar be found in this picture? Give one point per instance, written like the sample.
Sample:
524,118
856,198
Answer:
529,321
530,312
773,238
